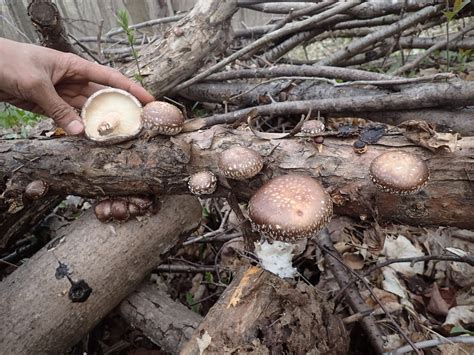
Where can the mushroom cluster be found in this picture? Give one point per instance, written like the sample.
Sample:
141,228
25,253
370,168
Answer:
121,210
286,210
112,116
399,173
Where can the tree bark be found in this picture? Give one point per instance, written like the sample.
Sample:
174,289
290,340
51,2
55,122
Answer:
186,46
36,314
161,166
46,18
164,321
260,313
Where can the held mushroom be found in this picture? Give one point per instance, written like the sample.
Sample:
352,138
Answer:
240,163
286,210
36,189
202,183
160,117
111,116
399,173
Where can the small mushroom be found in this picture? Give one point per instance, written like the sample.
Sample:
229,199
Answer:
111,116
36,189
119,210
160,117
284,211
359,147
240,163
312,128
202,183
103,211
399,173
138,206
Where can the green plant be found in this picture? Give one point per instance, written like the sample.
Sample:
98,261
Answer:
14,117
458,5
122,21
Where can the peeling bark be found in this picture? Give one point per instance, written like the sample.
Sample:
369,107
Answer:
259,313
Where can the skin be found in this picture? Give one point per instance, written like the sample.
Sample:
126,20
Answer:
54,83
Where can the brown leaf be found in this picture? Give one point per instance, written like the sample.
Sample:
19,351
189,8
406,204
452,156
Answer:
437,304
422,133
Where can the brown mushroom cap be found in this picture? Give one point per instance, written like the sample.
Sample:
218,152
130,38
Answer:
160,117
290,207
119,210
312,128
240,163
202,183
111,116
36,189
399,173
103,211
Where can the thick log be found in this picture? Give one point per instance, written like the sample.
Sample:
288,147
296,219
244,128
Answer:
36,314
164,321
45,16
259,313
185,46
161,166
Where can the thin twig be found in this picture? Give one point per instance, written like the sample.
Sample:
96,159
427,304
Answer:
184,268
413,64
433,342
288,29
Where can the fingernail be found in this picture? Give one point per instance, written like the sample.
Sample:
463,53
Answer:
74,127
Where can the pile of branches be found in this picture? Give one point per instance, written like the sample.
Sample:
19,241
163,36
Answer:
232,78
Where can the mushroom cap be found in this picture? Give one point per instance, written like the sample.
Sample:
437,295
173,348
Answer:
240,163
36,189
160,117
119,210
103,211
399,173
359,146
112,116
202,183
312,128
290,207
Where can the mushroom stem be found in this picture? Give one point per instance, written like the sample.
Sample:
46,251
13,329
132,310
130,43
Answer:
110,122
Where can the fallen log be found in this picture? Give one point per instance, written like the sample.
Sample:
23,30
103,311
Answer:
36,313
161,166
167,323
263,314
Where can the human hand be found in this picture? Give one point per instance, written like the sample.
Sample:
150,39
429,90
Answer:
53,83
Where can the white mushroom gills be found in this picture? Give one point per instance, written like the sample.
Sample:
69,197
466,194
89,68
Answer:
285,211
112,115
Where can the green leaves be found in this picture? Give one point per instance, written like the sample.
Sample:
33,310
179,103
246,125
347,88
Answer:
11,116
457,7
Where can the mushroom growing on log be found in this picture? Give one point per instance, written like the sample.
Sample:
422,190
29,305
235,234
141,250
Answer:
162,118
240,163
284,211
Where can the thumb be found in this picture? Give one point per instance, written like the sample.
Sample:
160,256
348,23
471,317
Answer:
59,110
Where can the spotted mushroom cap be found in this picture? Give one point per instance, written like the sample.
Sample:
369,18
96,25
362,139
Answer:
111,116
290,207
36,189
312,128
160,117
240,163
399,173
202,183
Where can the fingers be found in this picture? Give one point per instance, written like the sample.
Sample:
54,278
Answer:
59,110
107,76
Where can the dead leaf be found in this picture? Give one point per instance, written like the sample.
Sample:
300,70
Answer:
458,316
401,247
354,261
437,304
57,132
422,133
203,342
